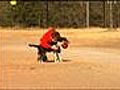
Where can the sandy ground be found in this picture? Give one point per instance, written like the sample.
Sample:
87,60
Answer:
92,61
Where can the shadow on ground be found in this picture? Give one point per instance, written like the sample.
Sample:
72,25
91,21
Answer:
64,60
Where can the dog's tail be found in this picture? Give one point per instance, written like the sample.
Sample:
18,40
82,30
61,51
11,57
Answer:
33,45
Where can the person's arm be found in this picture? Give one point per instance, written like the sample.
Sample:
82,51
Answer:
63,39
53,47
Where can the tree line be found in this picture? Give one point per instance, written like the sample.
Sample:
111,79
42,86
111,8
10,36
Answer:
58,13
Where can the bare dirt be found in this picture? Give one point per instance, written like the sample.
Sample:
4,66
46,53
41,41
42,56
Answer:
92,60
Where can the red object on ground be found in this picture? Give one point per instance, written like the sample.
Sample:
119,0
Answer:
65,45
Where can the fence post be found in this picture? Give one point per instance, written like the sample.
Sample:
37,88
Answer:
104,8
87,14
47,13
13,3
111,14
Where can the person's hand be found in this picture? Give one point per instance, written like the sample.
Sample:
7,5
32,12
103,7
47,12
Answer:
54,47
59,43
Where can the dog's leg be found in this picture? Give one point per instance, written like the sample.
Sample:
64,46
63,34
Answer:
59,54
41,52
60,58
57,57
43,56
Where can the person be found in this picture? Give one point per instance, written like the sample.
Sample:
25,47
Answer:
47,44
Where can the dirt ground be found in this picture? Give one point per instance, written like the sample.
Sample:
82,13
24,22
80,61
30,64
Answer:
92,60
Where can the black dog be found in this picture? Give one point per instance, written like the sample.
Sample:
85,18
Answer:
42,51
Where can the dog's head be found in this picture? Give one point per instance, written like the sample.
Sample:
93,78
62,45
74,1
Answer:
63,42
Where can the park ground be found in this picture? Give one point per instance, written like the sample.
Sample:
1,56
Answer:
92,60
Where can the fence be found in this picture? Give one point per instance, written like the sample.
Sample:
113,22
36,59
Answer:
61,13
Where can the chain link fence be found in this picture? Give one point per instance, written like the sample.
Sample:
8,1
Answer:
75,14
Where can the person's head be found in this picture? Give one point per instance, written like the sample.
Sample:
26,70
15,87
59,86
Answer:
51,29
55,36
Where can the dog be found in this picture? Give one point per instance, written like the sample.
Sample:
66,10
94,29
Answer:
62,42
